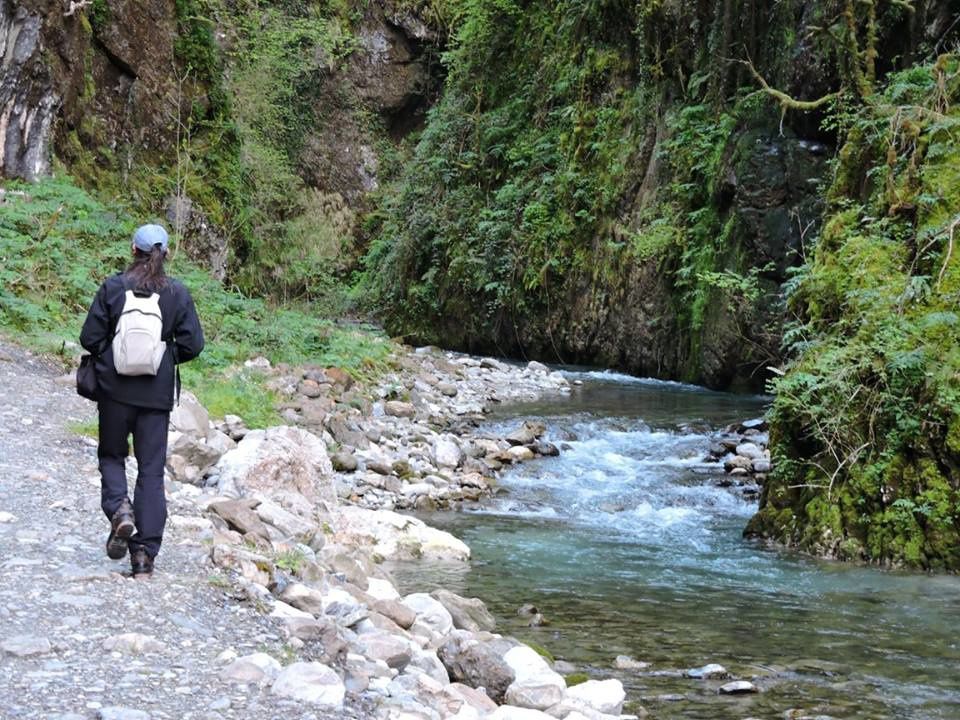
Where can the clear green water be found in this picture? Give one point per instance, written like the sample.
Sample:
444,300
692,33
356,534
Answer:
628,546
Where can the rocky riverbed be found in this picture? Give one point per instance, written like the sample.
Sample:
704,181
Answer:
268,599
409,441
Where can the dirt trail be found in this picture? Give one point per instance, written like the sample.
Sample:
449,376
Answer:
62,599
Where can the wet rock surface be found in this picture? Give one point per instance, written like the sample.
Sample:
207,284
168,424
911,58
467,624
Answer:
743,451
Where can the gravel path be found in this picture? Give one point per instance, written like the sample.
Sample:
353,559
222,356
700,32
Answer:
61,598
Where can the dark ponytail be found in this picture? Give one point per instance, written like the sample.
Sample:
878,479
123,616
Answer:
146,272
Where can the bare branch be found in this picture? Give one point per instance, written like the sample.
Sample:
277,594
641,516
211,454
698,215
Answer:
76,5
946,260
786,101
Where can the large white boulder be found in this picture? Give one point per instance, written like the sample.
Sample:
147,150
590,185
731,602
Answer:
605,696
310,682
190,417
391,535
431,614
535,684
278,459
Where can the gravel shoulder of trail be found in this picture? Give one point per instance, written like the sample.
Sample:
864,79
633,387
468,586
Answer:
61,598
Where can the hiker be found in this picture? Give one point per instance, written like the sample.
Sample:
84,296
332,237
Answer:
135,360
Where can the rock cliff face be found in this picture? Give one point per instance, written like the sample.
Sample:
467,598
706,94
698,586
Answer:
392,75
615,184
28,101
73,83
633,319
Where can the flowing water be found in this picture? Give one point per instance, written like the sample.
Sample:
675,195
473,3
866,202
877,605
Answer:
627,545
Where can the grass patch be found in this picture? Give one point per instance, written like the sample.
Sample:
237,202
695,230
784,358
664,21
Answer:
87,428
58,243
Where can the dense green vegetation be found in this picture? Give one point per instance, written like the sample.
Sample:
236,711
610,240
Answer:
866,421
57,243
597,158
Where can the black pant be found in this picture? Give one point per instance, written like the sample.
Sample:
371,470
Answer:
149,429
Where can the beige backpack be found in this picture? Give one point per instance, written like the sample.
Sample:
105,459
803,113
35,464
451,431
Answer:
137,346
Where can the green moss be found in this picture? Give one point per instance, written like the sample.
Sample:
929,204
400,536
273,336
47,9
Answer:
87,428
576,679
866,418
98,14
541,651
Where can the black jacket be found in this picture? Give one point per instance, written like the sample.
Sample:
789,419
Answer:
181,330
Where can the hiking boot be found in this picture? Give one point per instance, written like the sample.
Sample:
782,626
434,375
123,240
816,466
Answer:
121,528
141,564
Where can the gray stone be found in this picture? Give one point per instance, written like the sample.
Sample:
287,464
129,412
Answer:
750,450
467,613
345,434
430,613
518,453
344,461
737,461
194,451
303,598
625,662
240,516
478,662
291,526
535,684
255,668
310,682
762,466
397,408
738,687
604,696
547,449
25,645
447,452
134,644
340,560
493,364
447,389
527,433
190,417
712,671
394,651
399,613
324,636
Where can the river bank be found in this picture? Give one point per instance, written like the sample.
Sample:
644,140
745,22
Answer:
417,439
337,603
269,596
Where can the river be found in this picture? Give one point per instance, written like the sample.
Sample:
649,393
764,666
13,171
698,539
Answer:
627,545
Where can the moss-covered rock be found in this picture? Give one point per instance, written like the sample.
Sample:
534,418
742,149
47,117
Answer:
864,427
